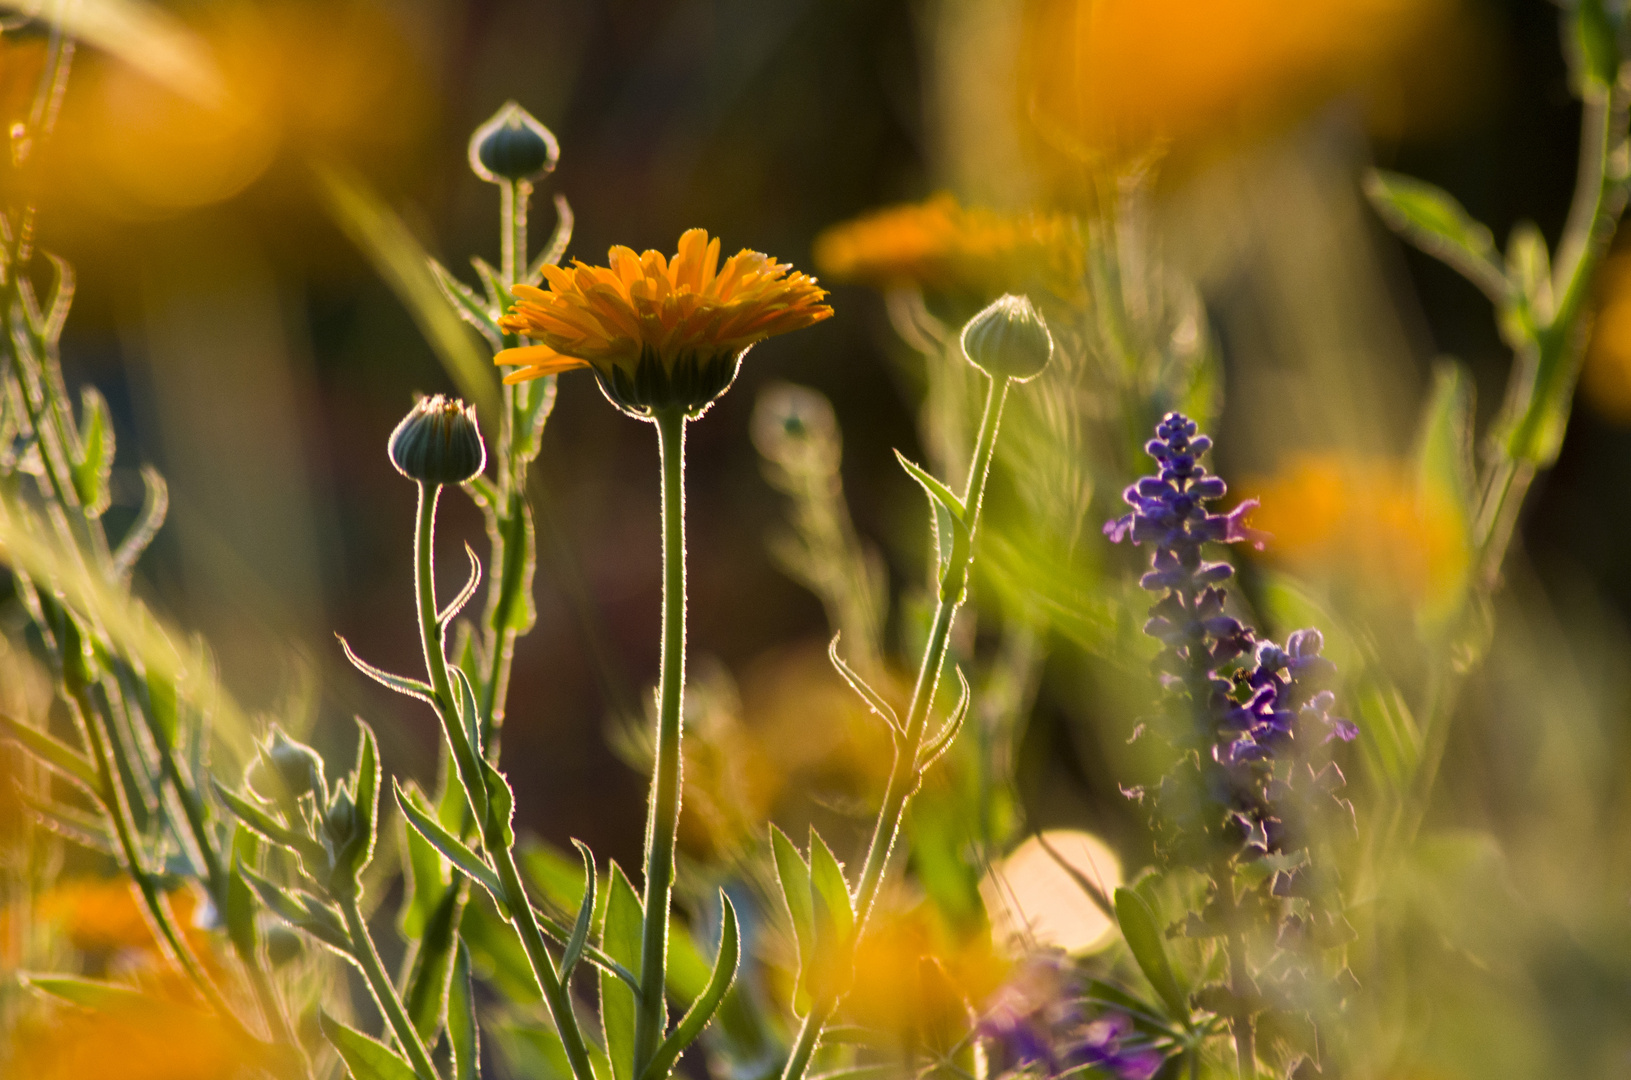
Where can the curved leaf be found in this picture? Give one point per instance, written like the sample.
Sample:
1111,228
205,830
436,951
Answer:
473,865
365,1058
702,1009
400,683
1144,939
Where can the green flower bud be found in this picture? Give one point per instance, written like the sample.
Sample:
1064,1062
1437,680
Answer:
512,146
1009,339
282,945
438,442
286,769
340,820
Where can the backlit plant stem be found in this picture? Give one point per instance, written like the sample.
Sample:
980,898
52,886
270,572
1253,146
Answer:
473,776
662,823
383,990
905,776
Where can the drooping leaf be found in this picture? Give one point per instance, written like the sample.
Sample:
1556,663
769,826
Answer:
586,911
1148,946
456,605
873,699
400,683
310,851
702,1009
1434,221
365,1058
620,938
76,825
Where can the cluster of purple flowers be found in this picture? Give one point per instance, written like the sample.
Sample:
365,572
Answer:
1243,722
1035,1024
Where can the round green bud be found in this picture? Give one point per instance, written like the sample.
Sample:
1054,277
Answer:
513,146
287,769
438,442
340,819
1009,339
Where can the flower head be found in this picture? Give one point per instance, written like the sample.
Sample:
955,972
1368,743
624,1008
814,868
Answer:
438,442
659,332
1009,339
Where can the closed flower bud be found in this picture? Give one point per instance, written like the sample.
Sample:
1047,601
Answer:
287,769
1009,339
512,146
438,442
340,821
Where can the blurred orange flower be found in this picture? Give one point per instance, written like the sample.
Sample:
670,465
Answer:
1120,78
106,915
1606,377
152,1037
941,245
648,307
1364,523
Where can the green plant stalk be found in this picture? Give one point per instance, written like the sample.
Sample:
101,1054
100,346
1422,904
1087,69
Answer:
474,779
904,776
383,990
662,823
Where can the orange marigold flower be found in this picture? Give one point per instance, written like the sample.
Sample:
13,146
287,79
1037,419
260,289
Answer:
659,332
939,244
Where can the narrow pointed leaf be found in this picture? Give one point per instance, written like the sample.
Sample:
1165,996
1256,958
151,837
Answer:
457,853
874,700
702,1009
586,912
555,249
621,940
456,605
240,909
302,910
86,993
470,716
942,741
430,981
155,506
1145,941
1434,221
463,1033
400,683
360,848
82,828
310,851
471,308
794,874
364,1058
492,281
89,473
835,912
936,490
58,755
501,802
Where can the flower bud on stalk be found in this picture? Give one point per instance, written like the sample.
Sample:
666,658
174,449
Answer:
286,768
1009,339
438,442
513,146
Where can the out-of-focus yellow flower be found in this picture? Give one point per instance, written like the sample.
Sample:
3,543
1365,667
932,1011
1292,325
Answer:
654,328
154,1037
1120,78
1364,523
1606,378
916,979
941,245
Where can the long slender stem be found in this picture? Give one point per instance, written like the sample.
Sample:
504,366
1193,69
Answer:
903,777
473,777
662,822
384,991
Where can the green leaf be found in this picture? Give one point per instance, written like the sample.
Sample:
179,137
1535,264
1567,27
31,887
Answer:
302,910
155,506
794,875
947,510
473,865
535,1052
555,248
834,909
1596,41
470,717
501,801
89,473
311,853
240,910
943,740
400,683
471,308
359,849
363,1057
1444,464
1529,269
163,710
430,981
82,828
873,699
493,282
702,1009
427,879
586,911
405,265
1148,946
621,940
1434,221
57,755
86,993
463,1033
456,605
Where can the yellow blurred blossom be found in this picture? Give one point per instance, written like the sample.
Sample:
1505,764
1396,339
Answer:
1121,78
1606,378
1364,523
107,915
941,245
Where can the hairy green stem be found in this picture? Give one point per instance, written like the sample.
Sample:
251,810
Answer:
473,777
904,776
662,821
383,990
